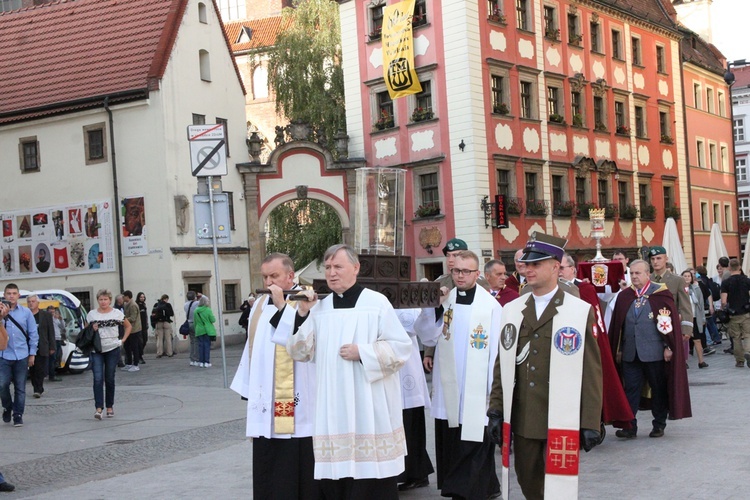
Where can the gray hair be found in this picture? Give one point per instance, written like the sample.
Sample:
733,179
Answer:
32,296
203,301
286,261
640,262
491,263
333,250
569,260
190,295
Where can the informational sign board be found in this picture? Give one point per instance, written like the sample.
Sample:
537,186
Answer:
202,211
208,152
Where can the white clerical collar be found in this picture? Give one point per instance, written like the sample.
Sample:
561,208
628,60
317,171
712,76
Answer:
542,301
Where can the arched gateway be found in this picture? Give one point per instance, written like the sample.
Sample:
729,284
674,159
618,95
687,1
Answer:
296,169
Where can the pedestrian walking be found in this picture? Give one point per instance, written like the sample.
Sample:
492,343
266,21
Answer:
205,332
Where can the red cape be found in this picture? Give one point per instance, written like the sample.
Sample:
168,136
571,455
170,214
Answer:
512,282
677,381
615,406
506,295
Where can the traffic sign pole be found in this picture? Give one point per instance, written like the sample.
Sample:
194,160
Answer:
218,281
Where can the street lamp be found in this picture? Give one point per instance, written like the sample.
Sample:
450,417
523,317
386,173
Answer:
729,80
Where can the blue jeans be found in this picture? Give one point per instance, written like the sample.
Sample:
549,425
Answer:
204,349
713,330
104,365
14,371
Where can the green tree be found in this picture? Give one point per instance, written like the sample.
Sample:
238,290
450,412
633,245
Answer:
303,229
304,67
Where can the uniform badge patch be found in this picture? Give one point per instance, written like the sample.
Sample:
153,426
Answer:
567,340
508,336
664,321
478,339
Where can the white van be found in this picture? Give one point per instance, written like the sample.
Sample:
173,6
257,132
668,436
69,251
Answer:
74,315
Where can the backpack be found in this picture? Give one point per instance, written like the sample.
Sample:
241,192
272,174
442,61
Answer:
715,289
158,313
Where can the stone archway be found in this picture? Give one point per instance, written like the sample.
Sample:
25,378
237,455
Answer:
296,169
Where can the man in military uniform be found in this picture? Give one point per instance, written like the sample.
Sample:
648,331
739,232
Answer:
548,357
676,285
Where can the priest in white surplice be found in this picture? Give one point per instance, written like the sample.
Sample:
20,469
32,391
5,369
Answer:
358,346
466,348
279,391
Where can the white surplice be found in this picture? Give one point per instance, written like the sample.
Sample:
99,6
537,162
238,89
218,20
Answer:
416,322
254,379
358,421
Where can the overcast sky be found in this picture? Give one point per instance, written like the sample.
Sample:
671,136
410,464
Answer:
731,28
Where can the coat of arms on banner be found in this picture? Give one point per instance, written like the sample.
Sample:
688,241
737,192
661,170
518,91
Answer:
567,340
664,321
478,339
599,274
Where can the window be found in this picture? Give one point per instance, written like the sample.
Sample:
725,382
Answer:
93,143
424,99
595,36
722,104
199,119
231,296
603,187
668,196
527,107
712,156
622,194
557,190
550,23
504,184
740,166
494,8
385,109
644,199
704,216
724,158
522,14
574,34
553,102
260,82
640,121
205,65
428,189
531,184
728,226
621,122
576,109
9,5
232,10
600,117
697,95
636,43
660,60
224,123
202,15
616,45
376,21
499,102
739,129
230,206
581,190
743,206
420,13
717,214
29,150
664,129
701,150
710,100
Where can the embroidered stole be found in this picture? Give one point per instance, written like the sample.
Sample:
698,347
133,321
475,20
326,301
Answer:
565,380
476,366
283,381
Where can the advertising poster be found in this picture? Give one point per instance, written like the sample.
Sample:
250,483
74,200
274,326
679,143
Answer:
133,212
56,241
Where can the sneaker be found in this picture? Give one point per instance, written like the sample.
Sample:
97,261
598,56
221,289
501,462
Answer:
739,364
200,365
193,363
134,369
37,395
626,433
708,351
6,415
127,368
207,365
17,421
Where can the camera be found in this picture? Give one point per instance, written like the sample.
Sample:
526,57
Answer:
6,302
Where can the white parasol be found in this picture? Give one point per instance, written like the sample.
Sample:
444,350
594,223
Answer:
716,249
746,259
673,244
312,271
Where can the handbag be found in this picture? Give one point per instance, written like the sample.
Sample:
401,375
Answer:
185,327
722,316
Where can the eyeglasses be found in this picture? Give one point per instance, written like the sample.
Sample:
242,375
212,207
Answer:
463,272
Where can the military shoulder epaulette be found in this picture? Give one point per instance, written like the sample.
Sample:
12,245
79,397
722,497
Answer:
662,287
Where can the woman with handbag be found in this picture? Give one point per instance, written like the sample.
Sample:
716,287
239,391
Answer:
204,320
106,322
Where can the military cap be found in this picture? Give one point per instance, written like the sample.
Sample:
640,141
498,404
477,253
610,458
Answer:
542,247
657,250
453,245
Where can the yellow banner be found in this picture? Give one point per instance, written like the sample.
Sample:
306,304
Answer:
398,50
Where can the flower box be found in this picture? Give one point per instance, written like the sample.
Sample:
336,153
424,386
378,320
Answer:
564,208
427,210
421,114
555,118
501,109
648,212
628,212
673,212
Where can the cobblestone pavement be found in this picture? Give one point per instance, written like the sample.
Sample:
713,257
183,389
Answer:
179,433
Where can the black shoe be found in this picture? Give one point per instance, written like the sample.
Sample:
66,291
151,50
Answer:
656,433
410,485
708,351
142,361
55,379
120,364
729,350
17,421
703,365
7,487
6,415
495,495
747,359
626,433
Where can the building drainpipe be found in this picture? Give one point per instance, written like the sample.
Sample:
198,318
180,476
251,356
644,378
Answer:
687,163
118,216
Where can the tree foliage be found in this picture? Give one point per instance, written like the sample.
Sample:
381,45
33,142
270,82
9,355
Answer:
304,67
303,229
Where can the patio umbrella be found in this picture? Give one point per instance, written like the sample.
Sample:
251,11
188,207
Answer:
673,244
312,271
716,249
746,259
